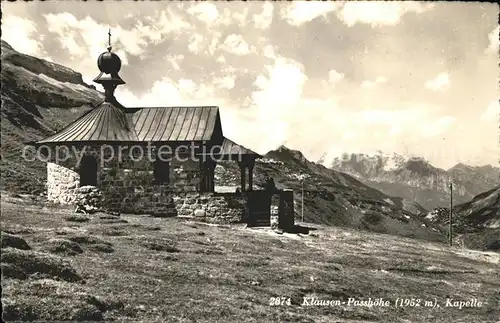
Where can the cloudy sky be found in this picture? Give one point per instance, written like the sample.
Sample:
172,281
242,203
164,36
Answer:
323,77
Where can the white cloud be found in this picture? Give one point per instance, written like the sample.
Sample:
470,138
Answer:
22,35
265,18
236,45
214,43
186,85
86,39
335,77
395,130
226,82
436,127
86,36
413,119
347,135
175,60
492,112
232,16
240,17
352,12
167,92
205,11
281,89
155,29
494,41
389,117
371,84
300,12
195,43
269,52
276,101
221,59
440,83
379,13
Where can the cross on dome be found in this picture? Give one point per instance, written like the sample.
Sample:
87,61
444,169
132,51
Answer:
109,40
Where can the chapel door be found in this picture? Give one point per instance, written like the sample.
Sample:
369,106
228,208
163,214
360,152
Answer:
88,171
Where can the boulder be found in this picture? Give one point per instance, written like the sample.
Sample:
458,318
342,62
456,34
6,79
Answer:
10,240
88,199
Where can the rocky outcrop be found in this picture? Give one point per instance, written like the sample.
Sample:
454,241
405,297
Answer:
88,199
40,66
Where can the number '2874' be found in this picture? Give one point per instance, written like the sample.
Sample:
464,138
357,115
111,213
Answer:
279,301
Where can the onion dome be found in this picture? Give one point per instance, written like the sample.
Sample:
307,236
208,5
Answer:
109,64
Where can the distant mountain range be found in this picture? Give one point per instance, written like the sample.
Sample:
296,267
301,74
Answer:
416,179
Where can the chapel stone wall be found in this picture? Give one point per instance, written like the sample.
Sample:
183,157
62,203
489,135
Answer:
212,207
61,184
127,186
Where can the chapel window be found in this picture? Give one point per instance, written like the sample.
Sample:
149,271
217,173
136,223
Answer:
161,172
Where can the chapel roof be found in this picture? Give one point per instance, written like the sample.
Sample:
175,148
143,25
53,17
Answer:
175,123
230,148
106,122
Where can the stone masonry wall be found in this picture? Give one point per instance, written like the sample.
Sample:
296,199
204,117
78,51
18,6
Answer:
127,186
275,203
155,200
132,190
126,182
212,208
61,184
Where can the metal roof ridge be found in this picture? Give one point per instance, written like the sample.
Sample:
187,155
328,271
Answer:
176,106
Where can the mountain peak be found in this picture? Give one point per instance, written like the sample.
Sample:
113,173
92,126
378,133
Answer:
460,166
419,165
284,153
370,163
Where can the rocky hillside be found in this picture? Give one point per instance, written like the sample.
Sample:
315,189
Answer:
38,97
416,180
476,223
483,211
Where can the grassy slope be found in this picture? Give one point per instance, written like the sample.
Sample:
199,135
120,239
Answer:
222,274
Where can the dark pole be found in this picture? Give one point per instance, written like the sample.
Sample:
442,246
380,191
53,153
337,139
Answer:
302,199
450,237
